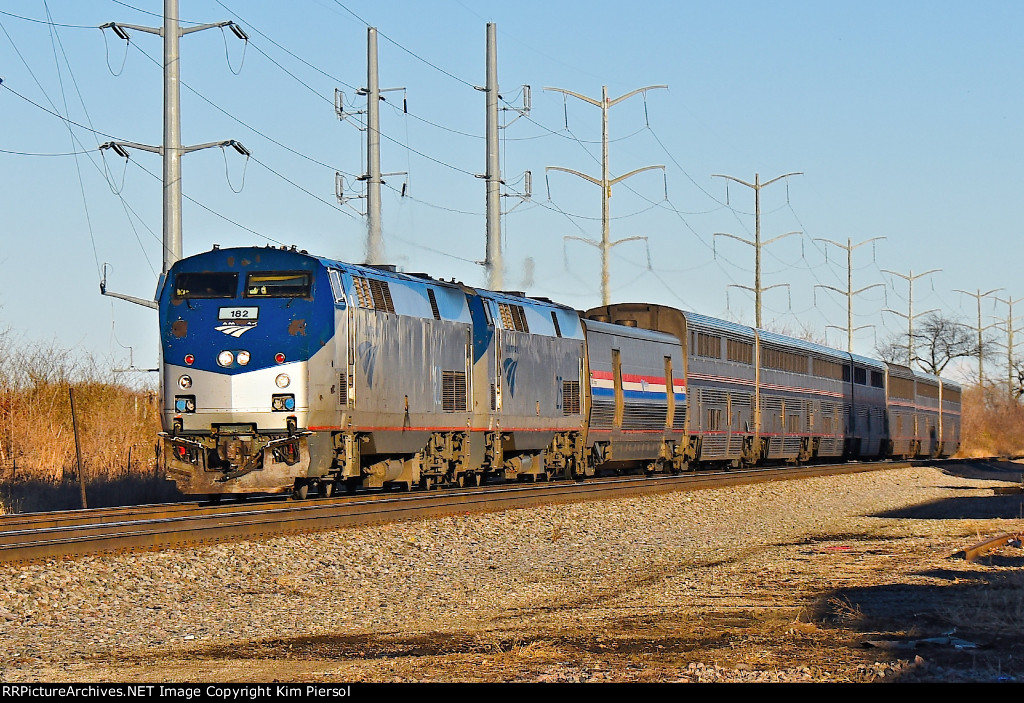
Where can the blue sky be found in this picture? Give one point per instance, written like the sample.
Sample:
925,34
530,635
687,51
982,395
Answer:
902,117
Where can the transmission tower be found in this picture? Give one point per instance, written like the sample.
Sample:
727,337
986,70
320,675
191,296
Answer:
493,258
1009,340
757,185
849,292
373,178
171,149
910,278
606,182
981,329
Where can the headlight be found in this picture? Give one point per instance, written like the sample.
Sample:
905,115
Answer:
225,358
242,358
283,402
185,382
282,380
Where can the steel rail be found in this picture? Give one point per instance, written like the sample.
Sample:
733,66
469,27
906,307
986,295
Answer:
189,524
975,551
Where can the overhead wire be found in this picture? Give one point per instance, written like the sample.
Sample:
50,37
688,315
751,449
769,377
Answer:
54,42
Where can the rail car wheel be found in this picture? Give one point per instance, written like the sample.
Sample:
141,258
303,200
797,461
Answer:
326,489
301,490
351,484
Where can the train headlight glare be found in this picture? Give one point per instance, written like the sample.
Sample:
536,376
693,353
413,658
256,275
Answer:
242,358
282,380
185,382
225,358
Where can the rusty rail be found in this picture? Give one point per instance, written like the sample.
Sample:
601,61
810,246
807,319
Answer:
985,546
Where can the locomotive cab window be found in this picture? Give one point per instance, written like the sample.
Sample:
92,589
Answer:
205,285
278,284
337,287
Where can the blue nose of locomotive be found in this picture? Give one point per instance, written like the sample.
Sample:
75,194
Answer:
237,328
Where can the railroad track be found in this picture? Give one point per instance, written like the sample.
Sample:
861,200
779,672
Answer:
40,536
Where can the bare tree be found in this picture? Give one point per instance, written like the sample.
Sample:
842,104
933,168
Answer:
893,349
804,331
937,341
1017,378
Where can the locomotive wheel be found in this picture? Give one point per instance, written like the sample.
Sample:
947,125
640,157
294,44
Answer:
350,485
215,497
301,490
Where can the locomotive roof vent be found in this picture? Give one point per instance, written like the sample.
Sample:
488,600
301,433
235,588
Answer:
519,293
384,267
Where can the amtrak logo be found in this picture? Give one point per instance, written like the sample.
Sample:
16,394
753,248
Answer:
233,329
368,355
510,366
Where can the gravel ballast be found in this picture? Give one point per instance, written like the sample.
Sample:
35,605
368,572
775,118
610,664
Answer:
713,585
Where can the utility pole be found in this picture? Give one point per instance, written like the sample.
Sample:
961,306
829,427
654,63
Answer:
849,292
493,261
979,295
373,178
374,240
171,150
757,244
910,278
606,182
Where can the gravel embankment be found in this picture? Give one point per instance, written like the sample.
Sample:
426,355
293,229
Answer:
498,596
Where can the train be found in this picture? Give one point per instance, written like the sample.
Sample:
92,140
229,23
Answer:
285,372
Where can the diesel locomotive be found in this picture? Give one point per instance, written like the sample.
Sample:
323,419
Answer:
287,372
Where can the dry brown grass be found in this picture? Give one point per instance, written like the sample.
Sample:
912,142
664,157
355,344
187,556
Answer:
993,423
997,609
118,419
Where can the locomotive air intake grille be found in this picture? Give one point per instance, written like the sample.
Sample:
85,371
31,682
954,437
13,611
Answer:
453,391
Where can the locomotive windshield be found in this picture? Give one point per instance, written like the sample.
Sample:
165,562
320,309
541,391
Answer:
205,285
278,284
